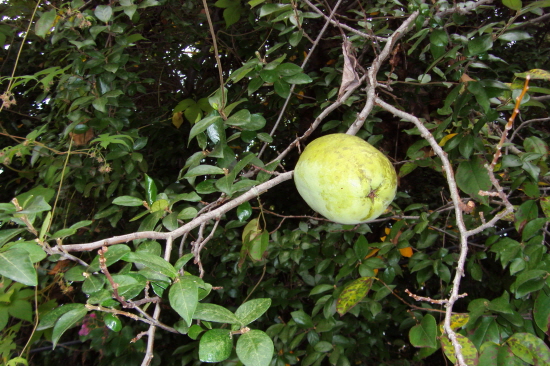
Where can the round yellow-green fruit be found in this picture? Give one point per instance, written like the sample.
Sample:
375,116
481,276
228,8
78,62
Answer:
345,179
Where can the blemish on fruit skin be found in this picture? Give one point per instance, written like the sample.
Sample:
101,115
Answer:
343,191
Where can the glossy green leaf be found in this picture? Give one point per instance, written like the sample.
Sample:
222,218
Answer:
184,297
128,201
480,44
252,310
425,333
154,263
150,190
49,319
215,313
244,211
255,348
181,262
203,170
353,294
282,88
16,265
203,124
302,319
471,177
112,322
215,345
67,321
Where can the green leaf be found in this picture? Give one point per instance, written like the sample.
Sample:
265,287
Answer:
439,38
252,310
282,88
67,321
319,289
16,265
49,319
103,13
530,348
113,254
35,205
272,8
258,246
541,310
255,348
183,261
112,322
232,14
150,190
45,23
514,36
353,294
93,284
8,234
215,313
302,319
154,263
240,118
203,170
471,177
425,333
288,69
184,297
257,122
469,351
244,211
480,44
513,4
297,79
100,103
481,96
128,201
215,345
203,124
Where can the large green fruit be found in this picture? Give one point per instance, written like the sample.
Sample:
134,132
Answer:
345,179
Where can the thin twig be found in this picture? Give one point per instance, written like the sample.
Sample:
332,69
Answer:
314,45
373,71
252,193
216,54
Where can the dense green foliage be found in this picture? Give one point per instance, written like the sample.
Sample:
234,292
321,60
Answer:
114,123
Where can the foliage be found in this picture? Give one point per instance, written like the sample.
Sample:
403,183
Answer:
145,218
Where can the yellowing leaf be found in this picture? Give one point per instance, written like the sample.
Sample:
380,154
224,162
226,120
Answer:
177,119
353,294
406,252
535,74
446,138
372,253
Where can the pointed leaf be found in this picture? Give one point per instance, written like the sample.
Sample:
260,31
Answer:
425,333
155,263
352,294
184,297
16,264
103,13
67,321
255,348
215,313
45,23
252,310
